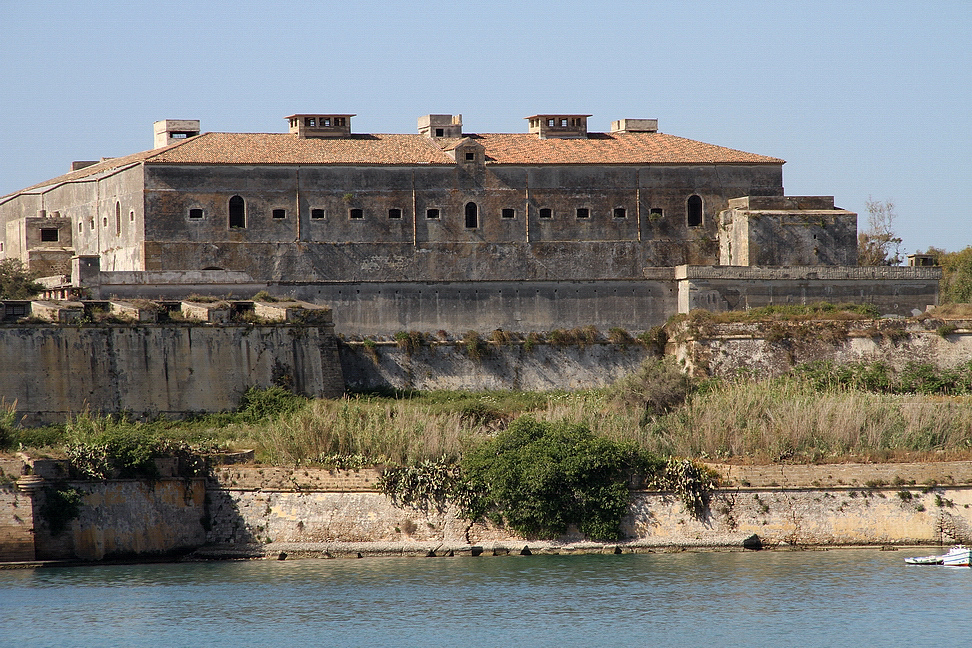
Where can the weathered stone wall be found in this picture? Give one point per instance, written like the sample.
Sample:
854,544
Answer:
539,367
16,524
892,290
386,308
56,371
126,518
808,507
787,231
773,348
434,249
257,510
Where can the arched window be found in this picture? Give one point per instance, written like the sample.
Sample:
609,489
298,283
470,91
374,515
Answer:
117,218
237,212
694,206
472,215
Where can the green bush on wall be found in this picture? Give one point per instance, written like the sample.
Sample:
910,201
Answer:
542,478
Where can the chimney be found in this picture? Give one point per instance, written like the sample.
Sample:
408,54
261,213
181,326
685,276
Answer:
634,126
559,126
307,126
170,131
440,125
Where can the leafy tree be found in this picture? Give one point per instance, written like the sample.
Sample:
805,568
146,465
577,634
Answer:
878,245
541,478
956,286
16,282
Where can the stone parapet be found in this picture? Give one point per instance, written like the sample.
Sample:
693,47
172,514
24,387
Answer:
824,273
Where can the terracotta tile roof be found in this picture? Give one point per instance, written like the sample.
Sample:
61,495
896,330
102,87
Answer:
284,148
408,149
611,148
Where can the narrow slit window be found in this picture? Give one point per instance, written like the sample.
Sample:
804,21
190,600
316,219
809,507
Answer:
131,216
620,212
394,213
694,208
472,215
237,212
356,214
195,214
583,212
280,213
546,212
432,213
509,213
318,214
117,219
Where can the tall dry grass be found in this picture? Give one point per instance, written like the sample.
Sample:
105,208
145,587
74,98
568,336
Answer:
786,419
382,430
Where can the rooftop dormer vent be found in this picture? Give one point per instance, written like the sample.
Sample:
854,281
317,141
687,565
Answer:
440,125
309,126
634,126
170,131
559,126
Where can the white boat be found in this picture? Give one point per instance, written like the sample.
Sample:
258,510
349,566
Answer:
957,556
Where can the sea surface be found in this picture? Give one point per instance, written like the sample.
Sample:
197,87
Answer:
838,597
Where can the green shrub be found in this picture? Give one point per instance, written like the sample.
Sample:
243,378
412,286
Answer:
542,478
474,346
431,483
61,505
658,387
261,404
8,423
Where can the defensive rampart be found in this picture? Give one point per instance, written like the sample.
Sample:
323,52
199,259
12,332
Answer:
771,348
54,371
256,511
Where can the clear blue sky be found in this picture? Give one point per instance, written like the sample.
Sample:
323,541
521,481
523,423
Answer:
861,98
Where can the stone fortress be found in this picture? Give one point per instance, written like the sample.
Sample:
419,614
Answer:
442,229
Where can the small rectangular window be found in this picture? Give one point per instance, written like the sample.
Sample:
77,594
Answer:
326,121
395,213
356,214
551,122
509,213
432,213
280,213
439,132
193,213
563,123
470,157
583,212
546,213
318,214
655,213
49,234
620,212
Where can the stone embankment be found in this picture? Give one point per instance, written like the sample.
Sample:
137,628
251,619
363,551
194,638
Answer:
250,510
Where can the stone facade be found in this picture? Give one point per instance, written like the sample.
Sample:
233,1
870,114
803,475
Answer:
433,230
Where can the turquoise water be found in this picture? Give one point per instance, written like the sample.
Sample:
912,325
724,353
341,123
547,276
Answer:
810,598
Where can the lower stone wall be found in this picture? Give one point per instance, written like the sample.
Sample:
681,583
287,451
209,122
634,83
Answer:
773,348
147,370
384,308
126,518
540,367
259,511
904,291
16,525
